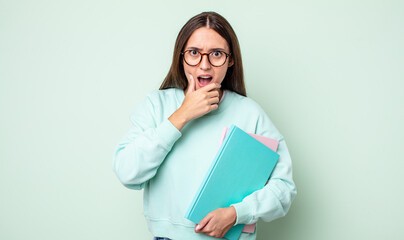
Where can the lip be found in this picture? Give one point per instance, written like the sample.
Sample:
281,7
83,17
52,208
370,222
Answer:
204,75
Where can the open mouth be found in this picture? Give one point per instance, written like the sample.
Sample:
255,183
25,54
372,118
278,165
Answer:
204,80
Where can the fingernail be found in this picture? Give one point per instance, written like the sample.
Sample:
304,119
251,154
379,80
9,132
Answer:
198,227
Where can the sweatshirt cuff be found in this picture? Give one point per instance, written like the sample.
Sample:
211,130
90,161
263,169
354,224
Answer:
243,213
168,133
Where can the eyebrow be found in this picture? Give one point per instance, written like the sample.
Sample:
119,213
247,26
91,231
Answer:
212,49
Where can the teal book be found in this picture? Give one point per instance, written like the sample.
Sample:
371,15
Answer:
241,166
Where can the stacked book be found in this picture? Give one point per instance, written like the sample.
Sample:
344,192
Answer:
242,165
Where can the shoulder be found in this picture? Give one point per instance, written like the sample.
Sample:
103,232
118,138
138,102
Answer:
249,107
165,96
155,99
162,94
245,103
154,104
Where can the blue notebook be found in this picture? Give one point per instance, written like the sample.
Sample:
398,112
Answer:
241,166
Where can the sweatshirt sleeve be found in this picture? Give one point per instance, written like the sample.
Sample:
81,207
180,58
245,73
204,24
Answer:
274,200
141,151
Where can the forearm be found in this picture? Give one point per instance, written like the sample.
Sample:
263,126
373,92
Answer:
269,203
178,119
139,155
274,200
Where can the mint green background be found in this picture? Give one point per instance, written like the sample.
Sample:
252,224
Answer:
328,73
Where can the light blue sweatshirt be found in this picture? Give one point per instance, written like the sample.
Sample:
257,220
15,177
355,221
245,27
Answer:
170,164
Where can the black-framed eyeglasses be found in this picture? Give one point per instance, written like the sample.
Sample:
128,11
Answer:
194,57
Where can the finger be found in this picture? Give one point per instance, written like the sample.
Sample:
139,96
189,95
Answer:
214,106
213,100
213,93
210,87
203,223
192,86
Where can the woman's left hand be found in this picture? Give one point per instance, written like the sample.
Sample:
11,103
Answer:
218,222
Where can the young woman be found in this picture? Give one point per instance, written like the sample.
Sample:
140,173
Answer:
176,131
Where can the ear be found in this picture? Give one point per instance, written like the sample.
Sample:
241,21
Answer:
231,62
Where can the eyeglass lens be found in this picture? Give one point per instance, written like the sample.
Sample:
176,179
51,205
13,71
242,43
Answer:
216,58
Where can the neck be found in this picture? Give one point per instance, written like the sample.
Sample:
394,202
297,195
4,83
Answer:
220,94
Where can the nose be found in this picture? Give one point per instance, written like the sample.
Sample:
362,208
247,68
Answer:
205,64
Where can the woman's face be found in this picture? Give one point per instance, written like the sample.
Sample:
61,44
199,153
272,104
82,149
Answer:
206,40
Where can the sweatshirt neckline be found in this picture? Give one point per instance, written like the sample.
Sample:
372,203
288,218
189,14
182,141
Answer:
223,104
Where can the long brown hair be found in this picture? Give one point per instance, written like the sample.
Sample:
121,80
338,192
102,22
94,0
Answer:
234,79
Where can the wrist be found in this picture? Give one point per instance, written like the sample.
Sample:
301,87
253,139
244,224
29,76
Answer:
234,214
178,119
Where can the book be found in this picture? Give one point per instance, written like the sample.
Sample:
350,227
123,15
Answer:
241,166
267,141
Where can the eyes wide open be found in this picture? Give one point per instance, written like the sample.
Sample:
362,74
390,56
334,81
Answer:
215,54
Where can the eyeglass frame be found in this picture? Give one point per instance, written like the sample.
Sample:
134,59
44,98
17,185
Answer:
207,55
